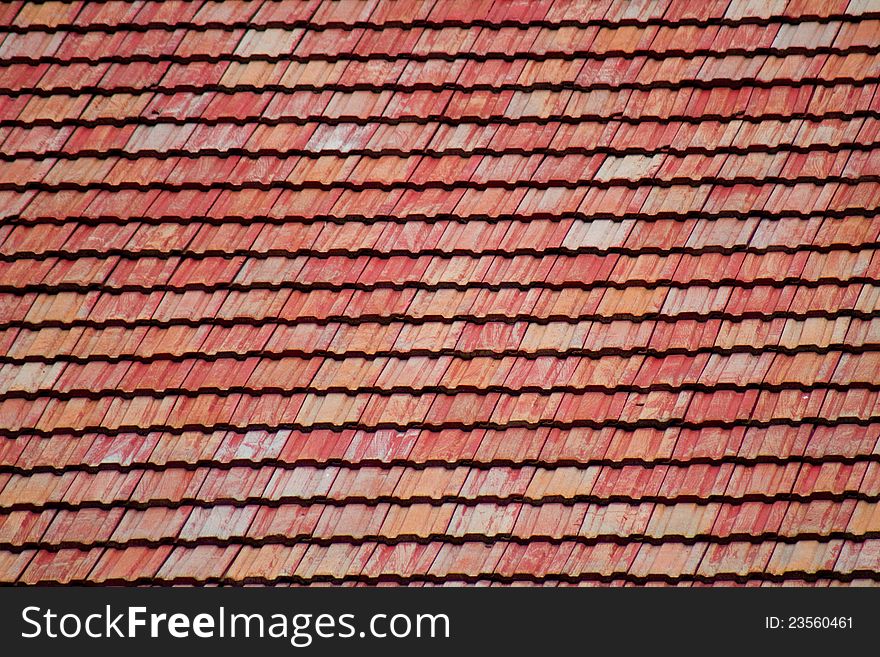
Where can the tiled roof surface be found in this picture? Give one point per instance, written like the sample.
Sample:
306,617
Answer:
422,292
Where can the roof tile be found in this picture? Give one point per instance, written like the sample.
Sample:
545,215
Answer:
443,318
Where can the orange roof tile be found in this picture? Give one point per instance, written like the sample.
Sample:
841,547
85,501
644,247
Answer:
426,292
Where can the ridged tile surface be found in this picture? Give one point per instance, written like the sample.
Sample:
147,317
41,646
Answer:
434,292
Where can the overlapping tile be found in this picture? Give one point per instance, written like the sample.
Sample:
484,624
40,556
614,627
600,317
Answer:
433,293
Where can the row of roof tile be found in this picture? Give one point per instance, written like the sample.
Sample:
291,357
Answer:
416,43
578,73
691,103
134,309
437,561
621,240
478,373
434,139
548,447
322,524
624,200
373,13
660,409
585,271
205,486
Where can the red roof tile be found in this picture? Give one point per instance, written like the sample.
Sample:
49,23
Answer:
440,292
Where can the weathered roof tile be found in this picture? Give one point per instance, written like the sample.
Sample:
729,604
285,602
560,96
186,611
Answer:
515,303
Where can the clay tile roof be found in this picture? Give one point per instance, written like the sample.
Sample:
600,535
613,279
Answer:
299,292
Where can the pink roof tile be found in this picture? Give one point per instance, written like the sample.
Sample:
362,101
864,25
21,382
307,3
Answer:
439,292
